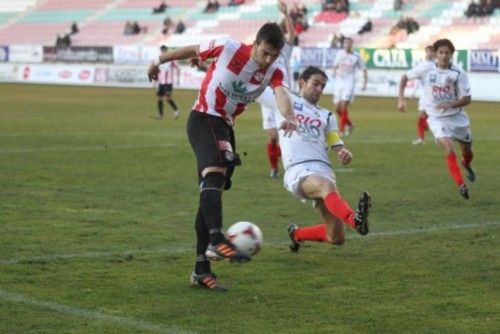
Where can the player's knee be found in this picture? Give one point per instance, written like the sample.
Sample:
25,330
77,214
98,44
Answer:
337,240
213,181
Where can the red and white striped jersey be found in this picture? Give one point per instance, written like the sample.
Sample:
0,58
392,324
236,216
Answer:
233,79
166,75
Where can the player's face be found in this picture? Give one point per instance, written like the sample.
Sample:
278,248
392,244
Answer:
429,54
444,55
264,54
312,89
348,44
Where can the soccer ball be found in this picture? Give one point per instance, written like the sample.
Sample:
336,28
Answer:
246,236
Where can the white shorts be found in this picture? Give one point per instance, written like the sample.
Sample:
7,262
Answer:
455,126
343,91
421,104
295,174
268,108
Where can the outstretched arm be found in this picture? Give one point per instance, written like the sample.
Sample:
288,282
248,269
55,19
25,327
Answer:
285,107
177,54
290,37
401,99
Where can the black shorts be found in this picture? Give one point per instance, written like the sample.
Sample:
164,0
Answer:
213,142
164,89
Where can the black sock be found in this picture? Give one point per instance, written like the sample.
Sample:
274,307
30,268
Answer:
160,108
211,204
172,104
202,266
202,236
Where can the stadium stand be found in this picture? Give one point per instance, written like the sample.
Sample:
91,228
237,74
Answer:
101,22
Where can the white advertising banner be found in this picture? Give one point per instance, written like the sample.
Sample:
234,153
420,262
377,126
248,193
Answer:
57,74
9,72
132,54
25,53
484,86
380,82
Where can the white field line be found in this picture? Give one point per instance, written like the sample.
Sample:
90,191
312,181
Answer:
181,249
249,141
136,324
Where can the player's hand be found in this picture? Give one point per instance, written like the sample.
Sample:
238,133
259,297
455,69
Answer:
288,127
282,7
194,62
402,105
153,71
345,156
443,106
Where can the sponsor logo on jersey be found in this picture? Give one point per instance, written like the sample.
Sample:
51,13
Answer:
257,77
298,106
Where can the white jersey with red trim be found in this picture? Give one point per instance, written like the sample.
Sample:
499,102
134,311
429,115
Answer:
423,67
233,79
166,75
347,64
441,86
309,142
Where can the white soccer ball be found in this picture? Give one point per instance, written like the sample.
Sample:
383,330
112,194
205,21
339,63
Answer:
246,236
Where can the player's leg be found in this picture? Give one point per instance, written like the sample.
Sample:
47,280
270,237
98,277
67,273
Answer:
202,275
444,133
467,156
171,102
451,161
268,108
159,99
330,229
316,186
273,151
421,127
213,143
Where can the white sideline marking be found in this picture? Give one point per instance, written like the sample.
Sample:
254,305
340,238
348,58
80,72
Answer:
250,142
180,249
90,314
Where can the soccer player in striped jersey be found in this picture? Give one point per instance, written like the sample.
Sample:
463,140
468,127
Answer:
267,100
308,170
345,65
166,85
447,92
238,74
424,66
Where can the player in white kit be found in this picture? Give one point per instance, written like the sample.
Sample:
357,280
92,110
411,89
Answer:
308,170
426,65
447,91
267,100
166,85
345,65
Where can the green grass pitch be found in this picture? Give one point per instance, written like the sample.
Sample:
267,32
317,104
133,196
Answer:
97,225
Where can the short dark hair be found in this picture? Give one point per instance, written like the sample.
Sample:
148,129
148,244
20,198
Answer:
163,48
310,71
429,47
443,42
272,34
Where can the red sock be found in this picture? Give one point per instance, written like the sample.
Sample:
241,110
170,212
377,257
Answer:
273,154
338,207
311,233
341,121
467,158
347,121
421,126
454,169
